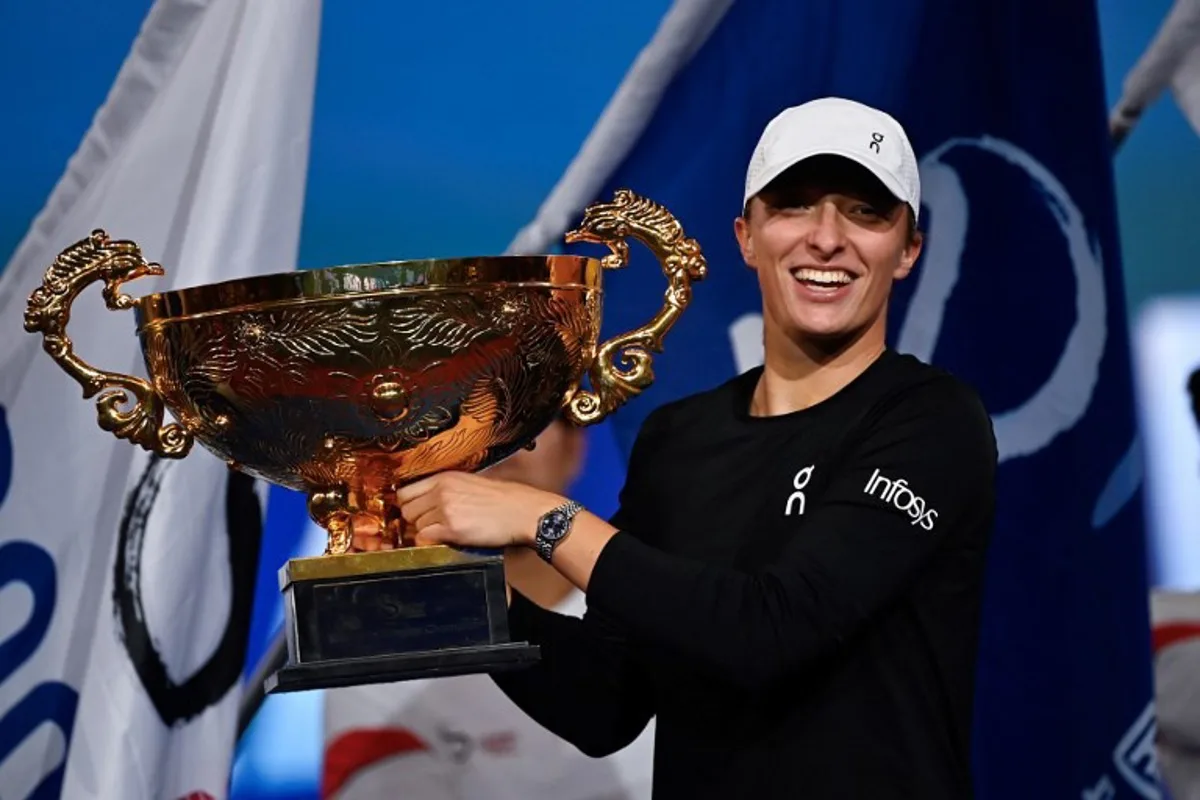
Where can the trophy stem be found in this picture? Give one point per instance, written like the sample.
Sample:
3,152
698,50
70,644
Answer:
330,508
337,510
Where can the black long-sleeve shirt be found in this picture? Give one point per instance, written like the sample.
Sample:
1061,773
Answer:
795,597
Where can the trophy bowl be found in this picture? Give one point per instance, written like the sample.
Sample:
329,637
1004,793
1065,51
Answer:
346,383
349,382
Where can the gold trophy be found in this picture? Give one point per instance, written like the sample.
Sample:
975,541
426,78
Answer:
346,383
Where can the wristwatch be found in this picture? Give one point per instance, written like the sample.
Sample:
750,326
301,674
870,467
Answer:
553,527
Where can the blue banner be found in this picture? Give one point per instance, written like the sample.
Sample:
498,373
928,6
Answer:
1019,291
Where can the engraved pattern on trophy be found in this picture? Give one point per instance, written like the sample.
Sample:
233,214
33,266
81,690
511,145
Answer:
99,258
349,401
623,365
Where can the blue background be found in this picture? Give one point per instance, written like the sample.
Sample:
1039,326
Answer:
438,130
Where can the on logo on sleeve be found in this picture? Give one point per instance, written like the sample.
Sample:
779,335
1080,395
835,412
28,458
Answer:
896,492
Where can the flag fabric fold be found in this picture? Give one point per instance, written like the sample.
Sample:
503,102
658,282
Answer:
1171,61
121,674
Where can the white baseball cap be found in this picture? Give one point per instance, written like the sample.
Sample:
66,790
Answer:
840,127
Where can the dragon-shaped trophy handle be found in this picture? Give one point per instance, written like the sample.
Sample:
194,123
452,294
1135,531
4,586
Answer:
98,258
623,365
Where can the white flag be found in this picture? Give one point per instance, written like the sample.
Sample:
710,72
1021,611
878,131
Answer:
119,664
1172,60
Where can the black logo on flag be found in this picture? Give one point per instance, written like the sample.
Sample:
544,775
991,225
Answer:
179,702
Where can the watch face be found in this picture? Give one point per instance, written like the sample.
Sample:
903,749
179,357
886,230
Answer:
555,526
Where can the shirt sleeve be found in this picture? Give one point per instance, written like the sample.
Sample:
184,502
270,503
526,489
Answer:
589,686
919,479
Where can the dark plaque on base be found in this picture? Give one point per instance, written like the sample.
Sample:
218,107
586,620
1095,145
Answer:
416,612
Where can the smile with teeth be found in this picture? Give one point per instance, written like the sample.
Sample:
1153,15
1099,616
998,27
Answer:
822,278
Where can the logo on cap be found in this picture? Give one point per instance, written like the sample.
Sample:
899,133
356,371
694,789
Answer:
876,140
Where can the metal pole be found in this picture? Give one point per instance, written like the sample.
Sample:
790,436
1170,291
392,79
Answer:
254,694
1120,124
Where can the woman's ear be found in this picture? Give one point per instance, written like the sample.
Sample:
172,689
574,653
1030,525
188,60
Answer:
912,251
741,229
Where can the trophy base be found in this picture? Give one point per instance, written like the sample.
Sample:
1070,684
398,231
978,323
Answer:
395,615
390,669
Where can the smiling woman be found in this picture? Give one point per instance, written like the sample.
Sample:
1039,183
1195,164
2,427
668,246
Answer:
793,603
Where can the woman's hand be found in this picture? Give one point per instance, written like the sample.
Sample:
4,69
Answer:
469,510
